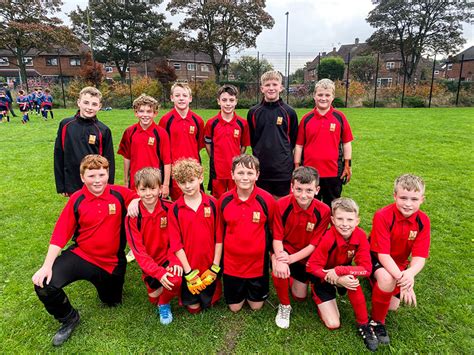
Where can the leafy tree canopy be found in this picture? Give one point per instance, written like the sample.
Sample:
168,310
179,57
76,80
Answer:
331,68
248,69
363,68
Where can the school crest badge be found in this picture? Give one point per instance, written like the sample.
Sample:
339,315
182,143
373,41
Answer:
207,212
256,217
279,120
151,140
332,127
236,133
112,208
92,139
309,227
163,222
192,129
350,254
412,235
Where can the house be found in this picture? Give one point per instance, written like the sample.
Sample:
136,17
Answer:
453,66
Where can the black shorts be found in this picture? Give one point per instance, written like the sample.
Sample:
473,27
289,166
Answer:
330,189
237,289
298,272
276,188
324,291
204,299
375,266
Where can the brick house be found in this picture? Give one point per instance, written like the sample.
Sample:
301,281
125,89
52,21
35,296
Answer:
453,66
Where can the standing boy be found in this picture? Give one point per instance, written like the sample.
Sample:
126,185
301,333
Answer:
148,237
248,219
331,263
47,104
145,144
185,129
23,104
304,220
398,231
94,218
4,107
192,228
273,127
226,136
324,142
79,136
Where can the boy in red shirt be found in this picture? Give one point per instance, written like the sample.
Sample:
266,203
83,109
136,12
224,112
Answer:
324,142
304,220
94,218
145,144
398,231
331,263
248,219
185,129
226,136
147,235
192,227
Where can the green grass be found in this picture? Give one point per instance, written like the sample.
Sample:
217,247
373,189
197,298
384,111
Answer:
434,143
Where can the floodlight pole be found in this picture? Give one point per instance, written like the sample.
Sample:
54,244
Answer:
286,54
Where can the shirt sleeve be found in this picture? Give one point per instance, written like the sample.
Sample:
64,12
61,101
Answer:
300,140
207,132
346,132
380,236
293,128
174,231
124,147
65,225
421,246
275,220
245,137
135,241
321,228
251,127
59,161
201,134
319,257
108,151
165,148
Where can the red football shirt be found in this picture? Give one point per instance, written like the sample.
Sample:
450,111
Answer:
148,238
186,134
95,224
194,231
302,227
145,148
242,227
394,234
320,136
335,252
226,139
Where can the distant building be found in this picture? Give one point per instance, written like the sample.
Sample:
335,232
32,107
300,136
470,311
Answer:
452,66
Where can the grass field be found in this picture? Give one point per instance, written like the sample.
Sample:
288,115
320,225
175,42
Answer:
434,143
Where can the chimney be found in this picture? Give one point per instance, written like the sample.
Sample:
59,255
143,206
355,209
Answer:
357,41
334,49
324,54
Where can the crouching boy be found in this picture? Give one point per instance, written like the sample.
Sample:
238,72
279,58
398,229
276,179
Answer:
192,226
332,264
147,235
304,220
94,217
398,231
248,217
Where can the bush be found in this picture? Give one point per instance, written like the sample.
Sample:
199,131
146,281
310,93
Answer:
302,102
414,101
338,102
245,103
370,103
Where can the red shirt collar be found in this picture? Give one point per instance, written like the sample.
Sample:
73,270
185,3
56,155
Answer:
178,115
158,209
250,199
326,115
153,125
298,209
205,201
90,196
220,118
354,239
400,217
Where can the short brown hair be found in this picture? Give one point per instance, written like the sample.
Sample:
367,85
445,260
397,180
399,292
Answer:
92,91
186,169
148,177
92,162
409,182
145,100
249,161
230,89
184,86
305,175
271,75
346,204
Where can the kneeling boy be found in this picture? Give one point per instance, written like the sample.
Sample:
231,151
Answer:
331,263
248,216
94,217
304,219
398,231
148,238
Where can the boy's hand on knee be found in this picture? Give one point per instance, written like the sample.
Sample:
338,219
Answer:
165,282
282,270
42,274
408,297
348,281
176,270
194,282
331,276
407,281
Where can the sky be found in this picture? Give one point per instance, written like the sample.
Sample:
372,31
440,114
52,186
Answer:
313,26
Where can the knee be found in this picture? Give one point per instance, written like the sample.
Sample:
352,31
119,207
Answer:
176,281
386,282
332,324
235,307
255,306
46,291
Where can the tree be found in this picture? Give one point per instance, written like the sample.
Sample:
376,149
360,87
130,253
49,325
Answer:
91,70
298,76
221,25
417,27
24,35
331,68
121,31
248,69
363,68
165,75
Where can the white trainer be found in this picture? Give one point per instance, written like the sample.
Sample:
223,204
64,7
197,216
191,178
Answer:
282,318
130,257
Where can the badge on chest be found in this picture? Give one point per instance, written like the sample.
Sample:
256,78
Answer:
236,133
92,139
256,217
350,254
207,212
112,208
332,127
192,129
279,120
412,235
309,227
151,140
163,222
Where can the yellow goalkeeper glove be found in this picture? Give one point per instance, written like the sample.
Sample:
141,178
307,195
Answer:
210,275
194,282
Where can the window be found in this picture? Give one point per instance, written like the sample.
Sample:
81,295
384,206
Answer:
191,66
4,62
109,69
450,66
177,66
204,68
390,65
384,82
75,62
51,61
127,69
28,61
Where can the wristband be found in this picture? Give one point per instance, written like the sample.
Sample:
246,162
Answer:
215,268
348,161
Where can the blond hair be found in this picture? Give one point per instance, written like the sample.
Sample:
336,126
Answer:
93,162
185,170
145,100
409,182
271,75
148,177
346,204
325,84
92,91
184,86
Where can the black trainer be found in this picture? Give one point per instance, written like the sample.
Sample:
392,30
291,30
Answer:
367,333
66,330
380,332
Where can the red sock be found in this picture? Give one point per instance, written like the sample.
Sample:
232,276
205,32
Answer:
359,306
380,303
153,300
281,288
